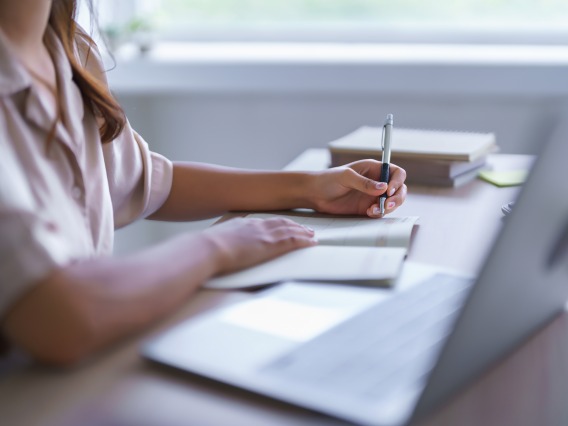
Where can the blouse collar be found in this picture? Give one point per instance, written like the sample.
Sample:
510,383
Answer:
14,77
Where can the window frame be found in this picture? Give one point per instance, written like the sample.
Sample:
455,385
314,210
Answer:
415,34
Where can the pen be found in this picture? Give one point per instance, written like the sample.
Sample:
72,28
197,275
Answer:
386,147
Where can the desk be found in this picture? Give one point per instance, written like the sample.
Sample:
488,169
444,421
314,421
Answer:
529,387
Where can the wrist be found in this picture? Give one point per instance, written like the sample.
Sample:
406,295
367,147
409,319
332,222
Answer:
218,253
203,256
308,190
312,190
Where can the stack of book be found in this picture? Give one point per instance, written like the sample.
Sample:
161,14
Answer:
438,158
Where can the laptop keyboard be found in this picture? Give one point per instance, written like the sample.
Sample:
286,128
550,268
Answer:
391,345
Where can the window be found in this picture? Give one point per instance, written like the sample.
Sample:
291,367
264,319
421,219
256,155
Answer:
526,21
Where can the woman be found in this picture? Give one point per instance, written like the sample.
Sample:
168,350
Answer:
72,170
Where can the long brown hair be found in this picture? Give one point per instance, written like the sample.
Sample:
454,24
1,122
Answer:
95,94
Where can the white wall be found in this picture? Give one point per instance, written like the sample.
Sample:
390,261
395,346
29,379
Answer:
267,131
246,127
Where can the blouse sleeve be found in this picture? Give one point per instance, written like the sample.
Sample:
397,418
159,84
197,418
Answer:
30,247
139,180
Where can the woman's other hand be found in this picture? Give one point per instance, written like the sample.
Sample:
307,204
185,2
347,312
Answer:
243,242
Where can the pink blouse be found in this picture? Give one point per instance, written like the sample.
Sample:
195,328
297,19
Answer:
61,202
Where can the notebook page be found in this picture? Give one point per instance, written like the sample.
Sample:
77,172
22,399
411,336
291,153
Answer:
359,231
320,263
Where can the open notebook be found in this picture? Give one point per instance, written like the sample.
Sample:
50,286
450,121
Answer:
356,250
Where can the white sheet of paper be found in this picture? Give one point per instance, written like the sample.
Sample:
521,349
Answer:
325,263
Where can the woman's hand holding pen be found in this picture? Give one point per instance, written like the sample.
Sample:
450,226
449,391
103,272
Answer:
355,188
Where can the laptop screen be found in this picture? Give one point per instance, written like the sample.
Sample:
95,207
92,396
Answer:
523,284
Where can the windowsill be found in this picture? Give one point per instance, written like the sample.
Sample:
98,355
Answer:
344,68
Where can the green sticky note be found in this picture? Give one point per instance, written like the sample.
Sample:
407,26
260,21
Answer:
504,178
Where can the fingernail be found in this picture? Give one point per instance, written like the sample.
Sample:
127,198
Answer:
308,228
390,205
392,191
380,185
314,240
376,210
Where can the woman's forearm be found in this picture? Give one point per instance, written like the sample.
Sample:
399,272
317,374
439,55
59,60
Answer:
201,191
84,307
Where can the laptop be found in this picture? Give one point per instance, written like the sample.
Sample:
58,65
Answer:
386,357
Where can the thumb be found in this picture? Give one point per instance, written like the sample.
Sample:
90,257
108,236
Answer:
366,185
